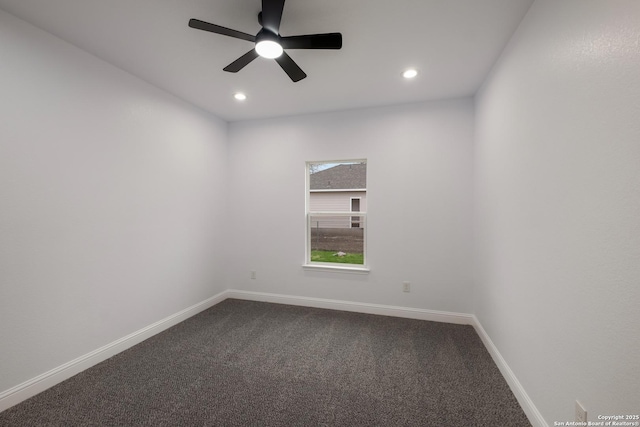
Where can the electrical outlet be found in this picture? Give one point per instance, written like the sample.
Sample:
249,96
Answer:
406,287
253,274
581,413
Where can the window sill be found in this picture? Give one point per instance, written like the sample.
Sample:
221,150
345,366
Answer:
336,269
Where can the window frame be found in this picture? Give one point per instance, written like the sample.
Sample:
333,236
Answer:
359,199
329,266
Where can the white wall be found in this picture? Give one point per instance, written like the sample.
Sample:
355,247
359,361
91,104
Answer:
419,195
110,191
558,206
113,193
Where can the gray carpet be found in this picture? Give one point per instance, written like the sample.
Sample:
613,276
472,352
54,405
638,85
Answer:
245,363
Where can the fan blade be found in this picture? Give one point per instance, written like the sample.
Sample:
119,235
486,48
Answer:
313,41
272,14
213,28
290,67
241,62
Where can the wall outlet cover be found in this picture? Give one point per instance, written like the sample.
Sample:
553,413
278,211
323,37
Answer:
581,413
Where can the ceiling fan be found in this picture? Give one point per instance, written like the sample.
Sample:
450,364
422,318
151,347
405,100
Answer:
269,43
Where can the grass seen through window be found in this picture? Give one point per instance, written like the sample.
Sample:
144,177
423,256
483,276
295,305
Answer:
332,256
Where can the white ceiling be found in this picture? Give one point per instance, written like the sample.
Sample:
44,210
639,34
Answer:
453,43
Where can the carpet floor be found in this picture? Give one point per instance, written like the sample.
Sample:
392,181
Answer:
244,363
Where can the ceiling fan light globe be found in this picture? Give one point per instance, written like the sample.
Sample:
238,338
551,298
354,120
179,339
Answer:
269,49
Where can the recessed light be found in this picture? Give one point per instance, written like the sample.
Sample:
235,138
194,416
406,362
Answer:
410,73
240,96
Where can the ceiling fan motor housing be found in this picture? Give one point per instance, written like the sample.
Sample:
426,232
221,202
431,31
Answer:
266,35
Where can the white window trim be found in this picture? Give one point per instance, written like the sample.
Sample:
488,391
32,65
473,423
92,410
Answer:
323,266
346,190
333,268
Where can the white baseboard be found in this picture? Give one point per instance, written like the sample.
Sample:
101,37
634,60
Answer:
30,388
525,402
535,417
357,307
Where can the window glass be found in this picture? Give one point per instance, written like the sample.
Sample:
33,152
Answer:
335,190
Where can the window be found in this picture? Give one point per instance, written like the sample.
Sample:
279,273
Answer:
355,207
336,238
